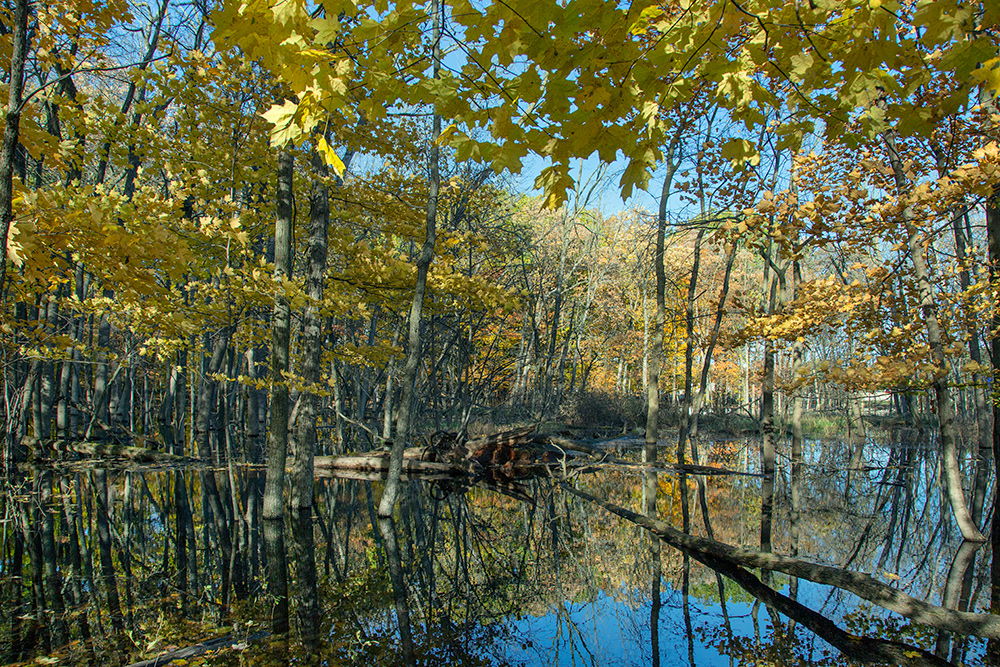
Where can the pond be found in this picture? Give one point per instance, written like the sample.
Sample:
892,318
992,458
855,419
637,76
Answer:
121,564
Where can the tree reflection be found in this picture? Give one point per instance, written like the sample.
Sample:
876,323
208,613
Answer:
109,566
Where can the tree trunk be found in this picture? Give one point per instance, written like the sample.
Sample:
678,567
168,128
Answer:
277,436
656,352
952,476
312,337
12,126
687,403
993,244
768,438
984,460
408,379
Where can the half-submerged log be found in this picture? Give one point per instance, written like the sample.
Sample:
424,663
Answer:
217,644
379,462
863,585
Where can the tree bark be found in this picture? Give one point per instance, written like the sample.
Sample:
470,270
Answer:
656,352
768,437
277,436
312,337
952,476
12,126
389,494
277,440
993,245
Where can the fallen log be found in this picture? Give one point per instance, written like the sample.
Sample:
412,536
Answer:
518,452
859,648
217,644
39,450
863,585
379,462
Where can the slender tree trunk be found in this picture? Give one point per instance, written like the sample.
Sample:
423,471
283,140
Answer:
312,338
768,438
656,351
277,442
408,379
687,403
12,126
794,512
302,466
993,244
984,460
277,437
952,476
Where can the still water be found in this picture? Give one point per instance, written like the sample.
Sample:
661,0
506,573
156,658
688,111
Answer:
121,564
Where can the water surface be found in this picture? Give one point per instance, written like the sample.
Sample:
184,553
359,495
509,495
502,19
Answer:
119,564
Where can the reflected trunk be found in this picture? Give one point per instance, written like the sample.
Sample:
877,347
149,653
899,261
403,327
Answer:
953,588
650,492
277,574
306,587
387,528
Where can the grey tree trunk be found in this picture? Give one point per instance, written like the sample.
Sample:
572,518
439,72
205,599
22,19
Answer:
993,245
796,469
687,403
277,438
277,435
699,397
952,476
983,437
312,337
656,351
12,127
408,379
768,438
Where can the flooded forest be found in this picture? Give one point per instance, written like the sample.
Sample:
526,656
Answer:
561,332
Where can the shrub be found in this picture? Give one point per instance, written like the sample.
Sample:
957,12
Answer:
594,409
